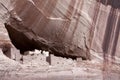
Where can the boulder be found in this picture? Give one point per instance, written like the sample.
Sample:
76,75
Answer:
57,26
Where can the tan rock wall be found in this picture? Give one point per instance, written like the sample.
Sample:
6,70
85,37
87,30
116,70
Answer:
77,26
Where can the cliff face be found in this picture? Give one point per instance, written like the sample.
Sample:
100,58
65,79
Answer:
107,27
66,27
52,25
3,32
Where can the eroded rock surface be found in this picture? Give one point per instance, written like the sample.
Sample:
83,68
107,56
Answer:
68,28
57,26
106,29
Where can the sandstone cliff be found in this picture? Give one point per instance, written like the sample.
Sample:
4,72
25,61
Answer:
67,27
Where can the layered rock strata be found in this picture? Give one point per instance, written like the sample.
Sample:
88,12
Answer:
69,28
107,27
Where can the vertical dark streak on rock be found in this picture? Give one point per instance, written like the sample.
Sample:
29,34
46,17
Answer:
111,35
114,20
116,39
108,33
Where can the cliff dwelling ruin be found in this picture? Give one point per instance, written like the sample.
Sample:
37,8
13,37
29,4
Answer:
60,39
